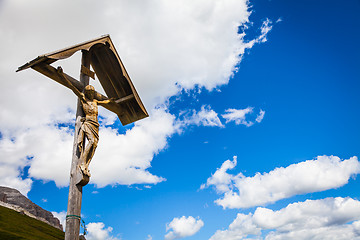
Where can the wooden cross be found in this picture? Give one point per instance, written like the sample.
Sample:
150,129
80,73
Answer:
121,99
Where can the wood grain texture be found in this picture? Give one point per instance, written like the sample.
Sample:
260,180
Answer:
75,190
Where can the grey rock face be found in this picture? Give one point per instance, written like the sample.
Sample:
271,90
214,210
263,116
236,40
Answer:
13,197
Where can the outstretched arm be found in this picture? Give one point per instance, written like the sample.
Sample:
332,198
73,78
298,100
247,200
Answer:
107,101
70,85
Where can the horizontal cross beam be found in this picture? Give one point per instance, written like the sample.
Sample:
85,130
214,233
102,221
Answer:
124,99
52,73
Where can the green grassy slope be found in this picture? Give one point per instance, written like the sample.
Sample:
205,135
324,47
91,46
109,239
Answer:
15,226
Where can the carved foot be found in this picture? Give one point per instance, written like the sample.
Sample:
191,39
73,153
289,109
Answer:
85,170
81,178
88,173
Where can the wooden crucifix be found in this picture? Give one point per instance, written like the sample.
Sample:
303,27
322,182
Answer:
121,99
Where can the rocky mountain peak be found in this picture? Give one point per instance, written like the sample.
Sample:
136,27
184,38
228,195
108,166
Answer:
13,199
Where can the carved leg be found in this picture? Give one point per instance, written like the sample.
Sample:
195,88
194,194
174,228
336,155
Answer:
81,139
84,156
88,153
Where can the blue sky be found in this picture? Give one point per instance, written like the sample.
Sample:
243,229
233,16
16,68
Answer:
201,166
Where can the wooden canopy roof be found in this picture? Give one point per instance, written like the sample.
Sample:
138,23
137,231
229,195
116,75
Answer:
109,70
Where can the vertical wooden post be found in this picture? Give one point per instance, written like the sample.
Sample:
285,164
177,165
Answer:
75,190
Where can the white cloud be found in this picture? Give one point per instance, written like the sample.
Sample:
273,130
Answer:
238,116
203,51
221,179
120,159
149,237
265,29
260,116
330,218
208,117
183,227
62,218
9,177
49,149
323,173
98,231
12,159
205,117
240,228
132,153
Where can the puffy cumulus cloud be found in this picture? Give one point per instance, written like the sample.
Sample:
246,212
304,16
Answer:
240,228
10,175
330,218
39,150
98,231
205,117
46,150
323,173
123,159
239,116
221,179
183,227
166,46
203,51
120,159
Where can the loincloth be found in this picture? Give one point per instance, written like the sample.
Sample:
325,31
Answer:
90,127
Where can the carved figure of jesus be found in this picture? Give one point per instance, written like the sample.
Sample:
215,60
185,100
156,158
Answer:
89,124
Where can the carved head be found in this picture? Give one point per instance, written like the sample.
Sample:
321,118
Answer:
89,92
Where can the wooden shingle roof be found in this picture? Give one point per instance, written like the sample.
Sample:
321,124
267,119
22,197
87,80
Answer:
109,70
